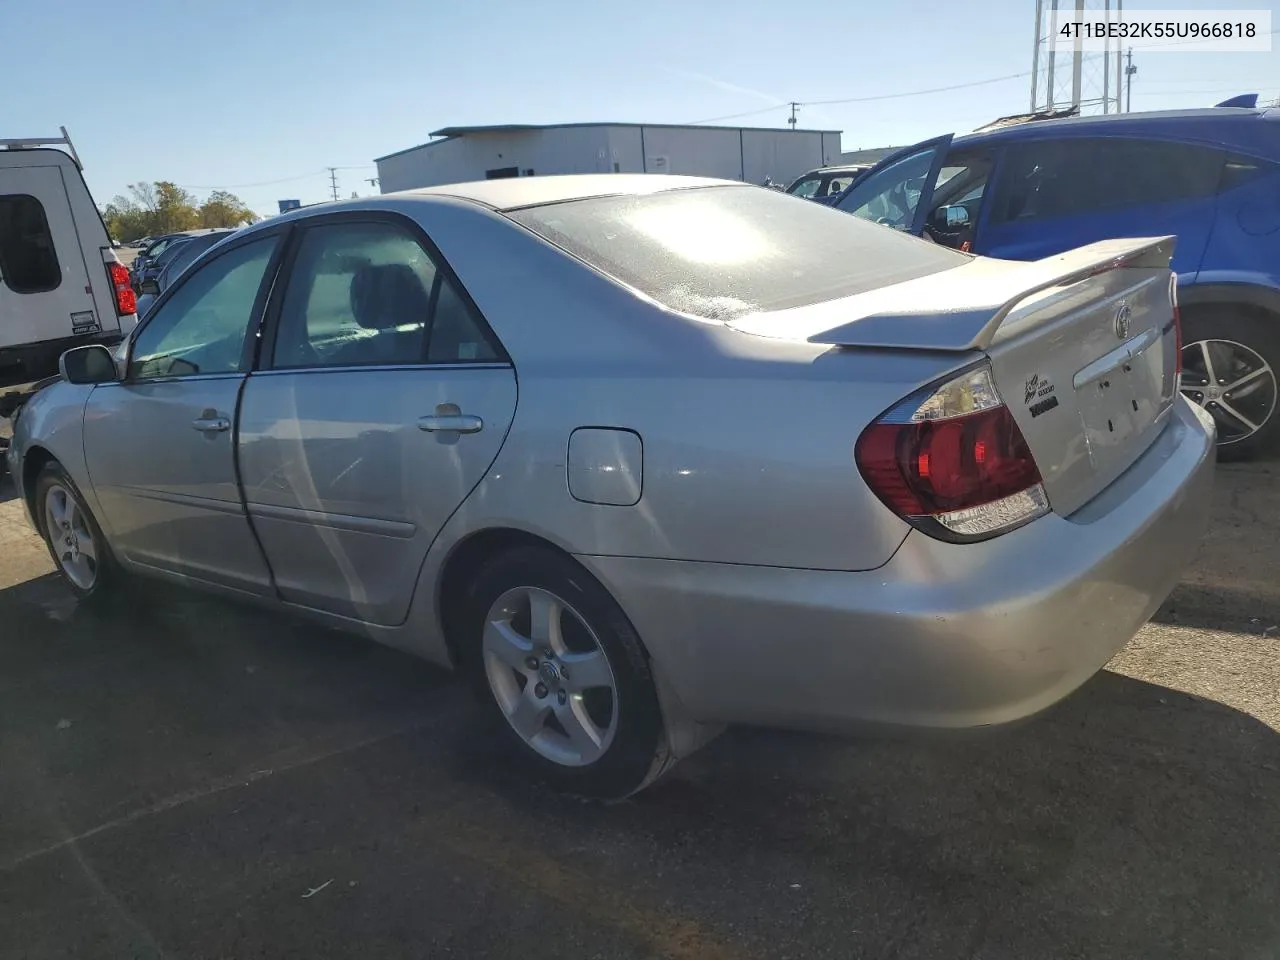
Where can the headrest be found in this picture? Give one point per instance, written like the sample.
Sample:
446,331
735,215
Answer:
388,296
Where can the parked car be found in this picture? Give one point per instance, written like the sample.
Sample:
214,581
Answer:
1211,177
156,249
61,283
770,464
172,262
826,183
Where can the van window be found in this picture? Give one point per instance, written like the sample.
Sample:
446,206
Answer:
28,262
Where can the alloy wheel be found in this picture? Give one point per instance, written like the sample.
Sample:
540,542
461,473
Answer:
1231,381
69,533
549,675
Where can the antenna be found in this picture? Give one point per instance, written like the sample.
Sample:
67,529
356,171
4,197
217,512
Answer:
1063,76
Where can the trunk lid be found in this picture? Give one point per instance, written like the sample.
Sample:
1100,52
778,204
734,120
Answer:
1082,346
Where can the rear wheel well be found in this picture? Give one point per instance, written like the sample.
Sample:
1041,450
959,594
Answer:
461,568
1244,308
35,460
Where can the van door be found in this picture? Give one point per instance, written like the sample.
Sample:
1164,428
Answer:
44,281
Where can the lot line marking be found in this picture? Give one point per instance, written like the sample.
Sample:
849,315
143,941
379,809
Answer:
199,793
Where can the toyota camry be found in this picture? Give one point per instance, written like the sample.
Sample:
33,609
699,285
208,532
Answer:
643,456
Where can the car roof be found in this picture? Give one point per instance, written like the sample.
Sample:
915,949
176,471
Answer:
513,192
1197,123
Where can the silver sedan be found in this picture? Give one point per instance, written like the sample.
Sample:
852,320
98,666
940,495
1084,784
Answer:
645,456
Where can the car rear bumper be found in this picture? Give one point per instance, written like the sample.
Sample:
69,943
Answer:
943,635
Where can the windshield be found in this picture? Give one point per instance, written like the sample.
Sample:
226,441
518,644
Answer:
725,252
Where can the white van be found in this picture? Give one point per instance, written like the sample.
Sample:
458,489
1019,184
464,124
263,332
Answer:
61,284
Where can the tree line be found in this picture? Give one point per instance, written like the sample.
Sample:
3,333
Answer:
154,209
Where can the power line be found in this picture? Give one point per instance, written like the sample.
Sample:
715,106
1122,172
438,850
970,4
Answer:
881,96
261,183
919,93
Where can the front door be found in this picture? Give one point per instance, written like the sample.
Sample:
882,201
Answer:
896,191
381,403
160,444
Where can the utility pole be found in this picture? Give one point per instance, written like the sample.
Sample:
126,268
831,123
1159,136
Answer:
1129,71
333,181
794,107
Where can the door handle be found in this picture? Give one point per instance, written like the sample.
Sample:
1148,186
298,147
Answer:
210,422
456,423
449,418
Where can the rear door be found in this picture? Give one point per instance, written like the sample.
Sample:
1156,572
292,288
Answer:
44,280
1056,194
381,403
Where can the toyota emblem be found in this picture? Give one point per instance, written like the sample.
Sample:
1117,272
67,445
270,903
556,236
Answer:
1123,313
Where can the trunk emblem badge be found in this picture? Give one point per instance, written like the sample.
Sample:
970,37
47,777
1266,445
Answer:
1123,315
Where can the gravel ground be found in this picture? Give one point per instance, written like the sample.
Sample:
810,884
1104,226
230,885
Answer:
192,779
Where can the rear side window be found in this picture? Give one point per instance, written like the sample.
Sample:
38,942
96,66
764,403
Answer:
28,260
1058,178
725,252
369,293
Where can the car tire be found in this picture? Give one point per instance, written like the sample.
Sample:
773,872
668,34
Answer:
91,574
1248,345
573,698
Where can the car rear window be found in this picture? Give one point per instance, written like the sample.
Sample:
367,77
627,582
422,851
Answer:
724,252
28,260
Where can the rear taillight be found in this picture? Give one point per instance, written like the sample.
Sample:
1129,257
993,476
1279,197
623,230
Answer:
126,299
953,462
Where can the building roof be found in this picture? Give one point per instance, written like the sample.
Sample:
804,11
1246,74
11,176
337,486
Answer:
446,132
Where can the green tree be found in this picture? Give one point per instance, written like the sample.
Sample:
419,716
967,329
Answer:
152,209
224,209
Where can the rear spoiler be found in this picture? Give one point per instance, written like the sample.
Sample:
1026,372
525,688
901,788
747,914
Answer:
956,310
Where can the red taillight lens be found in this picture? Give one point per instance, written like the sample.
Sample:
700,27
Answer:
955,458
126,299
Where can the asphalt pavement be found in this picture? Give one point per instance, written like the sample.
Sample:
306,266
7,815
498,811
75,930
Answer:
187,778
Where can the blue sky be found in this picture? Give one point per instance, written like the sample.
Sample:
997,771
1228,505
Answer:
241,92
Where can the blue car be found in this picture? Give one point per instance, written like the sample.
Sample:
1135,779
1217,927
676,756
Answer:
1209,176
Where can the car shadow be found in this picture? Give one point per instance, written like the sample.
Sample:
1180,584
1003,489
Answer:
1131,820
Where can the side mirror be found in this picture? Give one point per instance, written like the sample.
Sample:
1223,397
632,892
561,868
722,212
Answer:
151,286
951,217
89,364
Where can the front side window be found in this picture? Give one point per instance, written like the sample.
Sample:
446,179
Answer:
890,196
1065,177
369,293
28,260
806,187
202,328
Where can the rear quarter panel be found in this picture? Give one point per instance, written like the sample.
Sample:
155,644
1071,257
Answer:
747,443
1246,233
